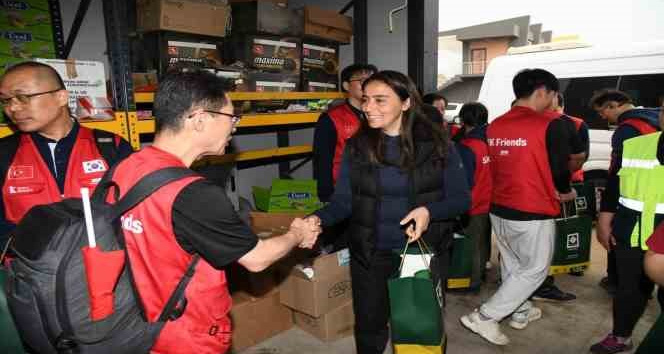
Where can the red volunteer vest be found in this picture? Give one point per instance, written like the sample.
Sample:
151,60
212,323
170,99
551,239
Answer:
158,262
346,124
29,182
481,192
520,163
454,129
577,176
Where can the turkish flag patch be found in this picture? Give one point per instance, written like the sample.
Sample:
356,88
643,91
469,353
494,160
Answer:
21,172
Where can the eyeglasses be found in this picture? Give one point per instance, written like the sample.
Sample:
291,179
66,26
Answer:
360,79
24,98
235,119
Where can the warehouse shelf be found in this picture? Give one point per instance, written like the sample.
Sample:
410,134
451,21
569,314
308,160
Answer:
148,97
258,154
139,127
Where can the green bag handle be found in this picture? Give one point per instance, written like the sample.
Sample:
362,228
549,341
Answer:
424,250
564,209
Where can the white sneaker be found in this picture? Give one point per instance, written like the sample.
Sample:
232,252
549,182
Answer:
487,329
520,320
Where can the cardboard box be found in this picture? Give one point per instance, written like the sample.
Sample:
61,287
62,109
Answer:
264,53
329,288
267,17
189,16
266,225
320,66
280,2
192,54
288,195
327,24
165,50
329,327
255,320
271,82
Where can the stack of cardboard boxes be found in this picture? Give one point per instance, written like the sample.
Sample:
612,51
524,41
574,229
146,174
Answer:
320,296
270,48
268,303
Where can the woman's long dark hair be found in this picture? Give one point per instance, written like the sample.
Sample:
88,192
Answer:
415,126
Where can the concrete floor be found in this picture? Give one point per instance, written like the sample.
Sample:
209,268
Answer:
564,328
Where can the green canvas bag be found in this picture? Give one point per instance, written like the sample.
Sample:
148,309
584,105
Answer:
572,244
415,311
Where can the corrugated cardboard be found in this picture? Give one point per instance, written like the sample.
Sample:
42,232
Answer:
336,324
280,2
320,66
265,53
272,224
183,16
327,24
329,288
271,17
257,319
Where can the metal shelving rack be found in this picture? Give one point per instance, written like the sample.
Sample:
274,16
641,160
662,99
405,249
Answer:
117,15
138,127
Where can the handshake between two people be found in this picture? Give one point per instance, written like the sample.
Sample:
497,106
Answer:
306,230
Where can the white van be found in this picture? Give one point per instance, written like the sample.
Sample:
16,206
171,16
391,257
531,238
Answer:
635,68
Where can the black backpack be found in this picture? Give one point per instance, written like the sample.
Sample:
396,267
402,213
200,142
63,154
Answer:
47,286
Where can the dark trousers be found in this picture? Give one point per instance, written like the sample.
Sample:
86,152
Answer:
478,229
633,288
371,303
611,267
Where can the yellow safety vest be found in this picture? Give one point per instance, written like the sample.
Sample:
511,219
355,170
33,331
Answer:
642,184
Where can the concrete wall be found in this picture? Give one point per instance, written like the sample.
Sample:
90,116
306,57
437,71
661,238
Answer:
91,40
388,51
494,47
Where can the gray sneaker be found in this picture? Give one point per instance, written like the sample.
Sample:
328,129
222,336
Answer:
520,320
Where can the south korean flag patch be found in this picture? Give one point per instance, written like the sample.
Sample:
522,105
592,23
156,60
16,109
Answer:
93,166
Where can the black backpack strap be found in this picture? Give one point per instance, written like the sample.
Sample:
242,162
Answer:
107,146
176,304
148,185
8,148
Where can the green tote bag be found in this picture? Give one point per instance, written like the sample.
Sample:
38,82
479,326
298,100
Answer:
415,311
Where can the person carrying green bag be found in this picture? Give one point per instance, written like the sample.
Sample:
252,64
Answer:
399,176
416,309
